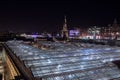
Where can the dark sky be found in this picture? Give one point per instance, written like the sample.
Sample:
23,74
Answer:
49,15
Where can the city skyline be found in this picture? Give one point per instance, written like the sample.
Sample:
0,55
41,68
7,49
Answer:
49,15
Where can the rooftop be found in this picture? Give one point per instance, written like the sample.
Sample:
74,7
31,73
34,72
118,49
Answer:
68,61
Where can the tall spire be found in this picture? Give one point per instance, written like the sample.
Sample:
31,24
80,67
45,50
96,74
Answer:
65,19
65,24
115,21
65,30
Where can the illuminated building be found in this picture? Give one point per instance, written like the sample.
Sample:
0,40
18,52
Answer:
74,33
111,32
94,33
114,30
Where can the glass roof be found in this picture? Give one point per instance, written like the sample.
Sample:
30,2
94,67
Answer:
69,61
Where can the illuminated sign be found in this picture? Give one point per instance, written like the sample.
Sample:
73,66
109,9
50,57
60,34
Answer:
74,32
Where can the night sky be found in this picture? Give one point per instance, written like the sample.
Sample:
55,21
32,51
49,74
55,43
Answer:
40,16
